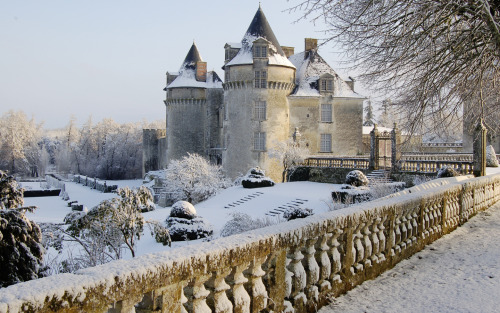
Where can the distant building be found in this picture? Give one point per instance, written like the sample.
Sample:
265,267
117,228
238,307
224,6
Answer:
268,92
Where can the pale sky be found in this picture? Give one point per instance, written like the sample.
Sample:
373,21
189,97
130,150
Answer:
108,58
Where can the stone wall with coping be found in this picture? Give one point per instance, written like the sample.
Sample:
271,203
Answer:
291,267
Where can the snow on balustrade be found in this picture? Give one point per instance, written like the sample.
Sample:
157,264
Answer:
291,267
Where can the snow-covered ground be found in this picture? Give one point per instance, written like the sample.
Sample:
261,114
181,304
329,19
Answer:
258,203
457,273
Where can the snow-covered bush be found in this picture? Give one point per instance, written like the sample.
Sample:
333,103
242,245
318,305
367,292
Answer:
356,178
160,233
446,171
11,194
72,216
194,179
184,224
183,209
491,157
111,226
21,250
241,222
294,213
256,178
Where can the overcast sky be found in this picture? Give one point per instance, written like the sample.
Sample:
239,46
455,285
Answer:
109,58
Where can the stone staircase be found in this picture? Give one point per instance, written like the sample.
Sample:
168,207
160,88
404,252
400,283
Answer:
379,177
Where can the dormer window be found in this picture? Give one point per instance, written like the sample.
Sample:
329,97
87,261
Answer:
326,85
259,51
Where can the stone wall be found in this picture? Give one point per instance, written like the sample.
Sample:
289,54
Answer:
291,267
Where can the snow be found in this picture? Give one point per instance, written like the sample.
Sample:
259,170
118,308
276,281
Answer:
457,273
309,72
245,55
187,78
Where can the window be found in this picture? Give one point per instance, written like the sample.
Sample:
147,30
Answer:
259,141
326,143
259,110
227,54
326,85
226,73
259,51
326,112
260,79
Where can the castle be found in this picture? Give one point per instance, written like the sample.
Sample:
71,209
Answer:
268,94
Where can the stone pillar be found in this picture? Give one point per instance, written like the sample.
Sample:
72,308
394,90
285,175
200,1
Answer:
373,165
479,150
395,145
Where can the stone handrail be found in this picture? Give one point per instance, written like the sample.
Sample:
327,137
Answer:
94,183
290,267
437,157
419,166
339,162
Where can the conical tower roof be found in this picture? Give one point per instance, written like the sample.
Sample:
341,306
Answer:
192,57
259,27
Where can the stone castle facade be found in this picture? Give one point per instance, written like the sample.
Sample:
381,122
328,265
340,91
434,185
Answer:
268,94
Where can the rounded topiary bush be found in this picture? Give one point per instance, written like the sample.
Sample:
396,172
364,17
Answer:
183,209
256,178
356,178
491,157
184,224
294,213
446,171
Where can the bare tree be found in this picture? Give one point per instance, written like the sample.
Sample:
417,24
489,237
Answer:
428,56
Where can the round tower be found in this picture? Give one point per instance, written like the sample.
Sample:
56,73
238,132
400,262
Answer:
193,98
258,79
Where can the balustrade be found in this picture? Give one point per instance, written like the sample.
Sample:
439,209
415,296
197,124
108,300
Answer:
291,267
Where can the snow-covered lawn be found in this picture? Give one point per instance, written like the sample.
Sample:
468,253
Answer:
261,203
458,273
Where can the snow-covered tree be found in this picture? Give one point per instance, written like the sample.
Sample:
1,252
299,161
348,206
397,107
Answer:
21,250
112,225
369,119
290,154
427,55
194,179
19,138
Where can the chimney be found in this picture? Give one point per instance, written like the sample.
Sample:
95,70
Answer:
350,83
311,44
201,71
288,51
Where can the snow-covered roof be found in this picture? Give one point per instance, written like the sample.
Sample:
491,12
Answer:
310,67
187,73
259,28
236,45
368,129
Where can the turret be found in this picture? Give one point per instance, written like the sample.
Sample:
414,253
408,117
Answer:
194,98
258,78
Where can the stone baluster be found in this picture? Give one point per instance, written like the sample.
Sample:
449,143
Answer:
336,257
325,265
414,225
288,283
238,293
359,251
381,239
375,241
197,295
404,231
409,230
438,216
125,305
426,221
218,298
299,281
367,244
312,270
256,286
397,235
166,299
